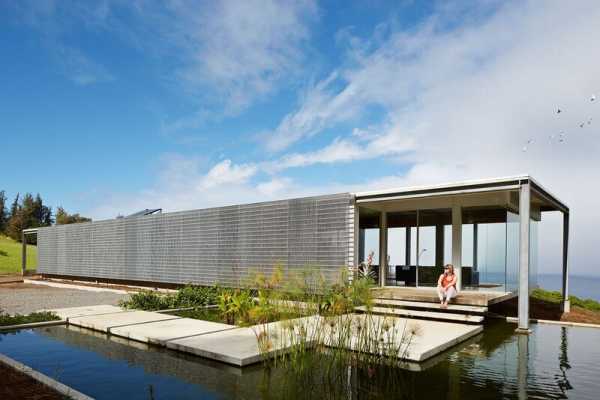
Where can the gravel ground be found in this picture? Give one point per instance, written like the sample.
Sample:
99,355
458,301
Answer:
24,298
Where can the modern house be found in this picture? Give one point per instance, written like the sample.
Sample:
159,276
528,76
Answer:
487,229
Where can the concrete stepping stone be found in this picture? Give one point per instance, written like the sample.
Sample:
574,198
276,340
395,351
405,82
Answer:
71,312
107,322
240,346
412,340
163,331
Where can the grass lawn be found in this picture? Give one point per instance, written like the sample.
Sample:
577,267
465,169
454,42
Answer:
10,256
556,297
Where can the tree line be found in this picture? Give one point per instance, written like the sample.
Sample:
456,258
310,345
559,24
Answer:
30,212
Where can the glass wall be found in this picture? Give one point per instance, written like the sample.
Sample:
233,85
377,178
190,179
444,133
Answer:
513,233
420,244
512,251
491,255
371,245
533,254
433,240
402,249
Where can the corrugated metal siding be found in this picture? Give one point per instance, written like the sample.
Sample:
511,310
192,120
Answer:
206,246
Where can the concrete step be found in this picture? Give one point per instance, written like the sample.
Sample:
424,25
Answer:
465,297
459,308
443,316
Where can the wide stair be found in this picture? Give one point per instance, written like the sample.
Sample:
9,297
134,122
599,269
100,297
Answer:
470,314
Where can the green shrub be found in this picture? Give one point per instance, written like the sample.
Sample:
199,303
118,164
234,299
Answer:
195,296
148,300
187,296
19,319
556,297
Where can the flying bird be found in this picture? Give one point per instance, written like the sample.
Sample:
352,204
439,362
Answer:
529,141
593,98
558,110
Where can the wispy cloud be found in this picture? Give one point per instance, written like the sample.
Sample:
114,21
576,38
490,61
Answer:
224,55
467,97
79,68
460,100
53,21
241,50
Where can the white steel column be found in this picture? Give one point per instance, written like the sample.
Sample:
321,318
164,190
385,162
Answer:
356,233
566,306
457,243
383,248
524,211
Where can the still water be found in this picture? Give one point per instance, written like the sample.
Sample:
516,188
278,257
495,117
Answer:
554,362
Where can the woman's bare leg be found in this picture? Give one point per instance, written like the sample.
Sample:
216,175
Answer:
450,294
440,291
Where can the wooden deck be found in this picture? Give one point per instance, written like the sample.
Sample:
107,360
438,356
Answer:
465,297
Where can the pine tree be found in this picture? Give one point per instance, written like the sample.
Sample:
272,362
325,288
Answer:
47,219
37,211
15,206
63,217
3,214
16,224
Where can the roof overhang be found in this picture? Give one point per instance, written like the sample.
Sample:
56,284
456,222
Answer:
548,201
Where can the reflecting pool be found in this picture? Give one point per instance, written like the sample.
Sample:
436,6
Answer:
553,362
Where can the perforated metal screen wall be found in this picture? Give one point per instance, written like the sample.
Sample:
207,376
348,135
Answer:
216,245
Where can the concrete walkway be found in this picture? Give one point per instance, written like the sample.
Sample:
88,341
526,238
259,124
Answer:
244,346
163,332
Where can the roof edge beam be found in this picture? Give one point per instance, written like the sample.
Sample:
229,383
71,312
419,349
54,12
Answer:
437,193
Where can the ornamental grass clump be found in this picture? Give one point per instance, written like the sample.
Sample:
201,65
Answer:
332,329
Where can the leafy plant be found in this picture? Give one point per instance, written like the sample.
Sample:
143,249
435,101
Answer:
365,270
235,305
187,296
18,319
148,300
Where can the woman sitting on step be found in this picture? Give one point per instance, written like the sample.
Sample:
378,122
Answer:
447,285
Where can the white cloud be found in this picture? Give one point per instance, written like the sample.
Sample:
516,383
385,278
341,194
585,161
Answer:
464,100
225,55
224,173
78,67
54,21
239,50
461,101
321,107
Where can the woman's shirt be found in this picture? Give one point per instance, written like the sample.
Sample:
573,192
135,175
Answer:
447,280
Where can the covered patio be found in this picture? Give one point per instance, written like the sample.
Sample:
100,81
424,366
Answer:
488,229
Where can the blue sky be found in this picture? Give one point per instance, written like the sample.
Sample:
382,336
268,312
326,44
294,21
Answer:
121,105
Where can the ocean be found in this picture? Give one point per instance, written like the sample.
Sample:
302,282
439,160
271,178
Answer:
586,287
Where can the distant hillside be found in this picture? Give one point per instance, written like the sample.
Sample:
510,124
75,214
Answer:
10,256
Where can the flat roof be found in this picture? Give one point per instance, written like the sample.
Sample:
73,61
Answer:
462,187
